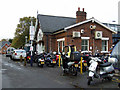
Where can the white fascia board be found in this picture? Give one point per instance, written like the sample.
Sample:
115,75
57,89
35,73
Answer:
104,38
85,37
59,32
80,23
93,20
105,26
61,39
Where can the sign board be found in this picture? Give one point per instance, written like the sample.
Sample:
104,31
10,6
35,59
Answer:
32,32
31,37
27,44
31,48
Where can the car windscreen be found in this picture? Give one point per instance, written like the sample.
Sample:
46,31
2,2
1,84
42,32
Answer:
20,52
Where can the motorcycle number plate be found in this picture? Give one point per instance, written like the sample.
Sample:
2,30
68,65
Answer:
76,65
54,61
42,62
85,64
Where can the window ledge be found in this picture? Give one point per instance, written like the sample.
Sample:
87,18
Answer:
104,51
86,51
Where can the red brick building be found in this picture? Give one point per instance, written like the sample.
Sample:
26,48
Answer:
89,35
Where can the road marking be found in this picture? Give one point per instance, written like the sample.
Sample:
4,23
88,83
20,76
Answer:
19,68
5,64
3,69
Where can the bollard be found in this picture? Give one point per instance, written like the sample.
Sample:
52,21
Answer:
20,58
81,66
59,60
25,61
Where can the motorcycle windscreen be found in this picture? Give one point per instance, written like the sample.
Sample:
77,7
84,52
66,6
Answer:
116,54
116,51
93,66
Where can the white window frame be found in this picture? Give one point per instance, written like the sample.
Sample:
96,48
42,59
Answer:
63,45
58,46
59,40
87,42
104,45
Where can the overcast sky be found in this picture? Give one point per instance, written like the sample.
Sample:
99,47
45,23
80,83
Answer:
12,10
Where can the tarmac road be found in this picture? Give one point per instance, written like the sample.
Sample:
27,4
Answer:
15,75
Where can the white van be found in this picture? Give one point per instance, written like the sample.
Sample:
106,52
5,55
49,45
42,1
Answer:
9,51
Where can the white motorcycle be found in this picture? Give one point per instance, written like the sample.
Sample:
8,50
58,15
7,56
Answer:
99,69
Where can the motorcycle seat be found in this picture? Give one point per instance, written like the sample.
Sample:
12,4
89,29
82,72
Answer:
105,64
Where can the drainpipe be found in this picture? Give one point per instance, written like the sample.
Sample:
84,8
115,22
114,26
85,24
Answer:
47,44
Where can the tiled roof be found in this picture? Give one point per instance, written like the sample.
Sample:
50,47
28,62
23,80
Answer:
53,23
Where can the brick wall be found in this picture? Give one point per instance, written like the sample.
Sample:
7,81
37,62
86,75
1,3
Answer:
77,41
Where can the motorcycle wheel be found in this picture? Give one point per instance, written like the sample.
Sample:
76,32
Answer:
109,78
84,68
73,71
42,66
53,65
38,64
47,64
11,58
89,80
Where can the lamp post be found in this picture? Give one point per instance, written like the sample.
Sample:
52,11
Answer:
93,27
26,39
31,40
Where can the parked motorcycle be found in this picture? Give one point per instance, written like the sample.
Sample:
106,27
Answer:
99,69
70,66
40,60
84,66
50,60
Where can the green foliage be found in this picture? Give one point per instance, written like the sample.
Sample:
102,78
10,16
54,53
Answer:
22,30
3,40
10,40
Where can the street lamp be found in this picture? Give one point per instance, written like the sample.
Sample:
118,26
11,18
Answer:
26,39
31,39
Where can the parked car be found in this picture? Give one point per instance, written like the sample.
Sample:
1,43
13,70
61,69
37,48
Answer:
17,53
9,51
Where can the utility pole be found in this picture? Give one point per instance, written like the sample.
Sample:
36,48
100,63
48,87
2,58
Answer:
32,31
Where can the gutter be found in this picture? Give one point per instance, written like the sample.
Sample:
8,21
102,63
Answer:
60,31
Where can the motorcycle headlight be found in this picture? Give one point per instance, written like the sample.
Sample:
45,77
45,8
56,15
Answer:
39,59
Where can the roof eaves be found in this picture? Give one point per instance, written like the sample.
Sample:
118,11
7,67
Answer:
80,23
105,26
88,20
59,31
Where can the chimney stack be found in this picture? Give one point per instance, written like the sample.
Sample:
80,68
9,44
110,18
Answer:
80,15
78,8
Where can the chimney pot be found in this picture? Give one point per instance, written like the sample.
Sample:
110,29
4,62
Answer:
83,9
78,8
